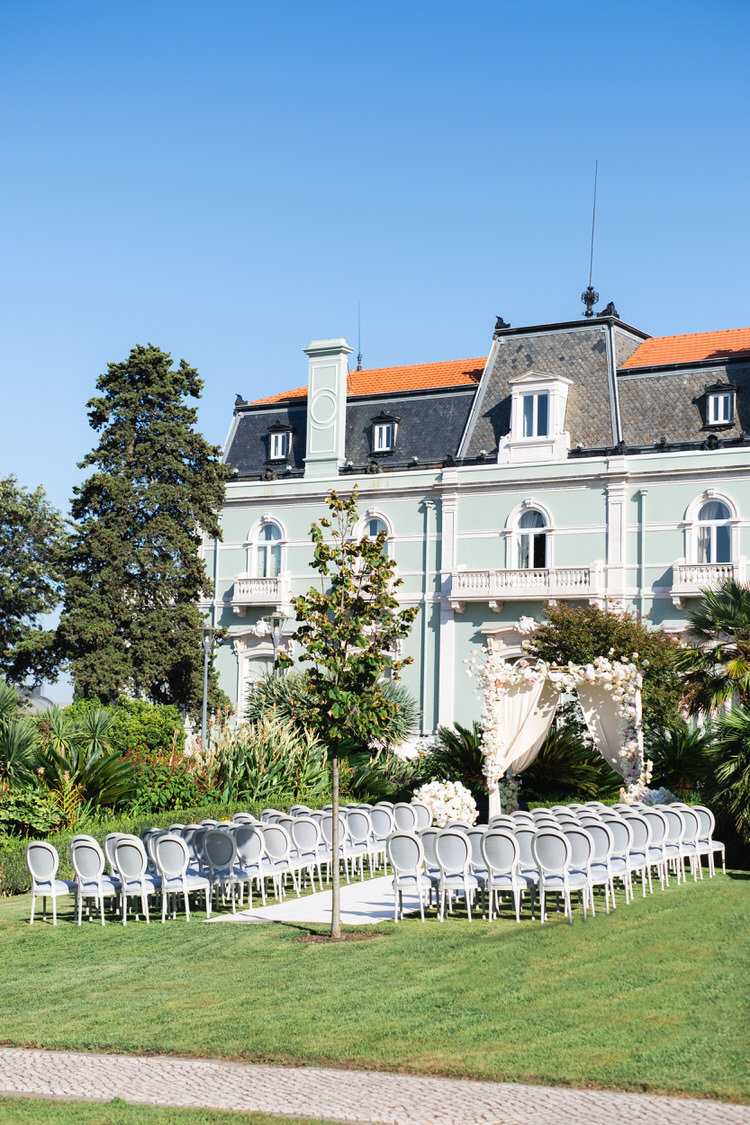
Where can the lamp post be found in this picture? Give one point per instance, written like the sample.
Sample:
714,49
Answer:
208,633
276,624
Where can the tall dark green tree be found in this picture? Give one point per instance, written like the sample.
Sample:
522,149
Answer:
131,622
31,541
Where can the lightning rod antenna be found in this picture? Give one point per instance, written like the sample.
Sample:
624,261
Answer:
590,296
359,340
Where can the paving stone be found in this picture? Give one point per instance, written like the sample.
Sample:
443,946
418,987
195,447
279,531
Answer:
359,1097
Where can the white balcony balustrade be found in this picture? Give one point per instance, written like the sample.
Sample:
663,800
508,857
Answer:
689,580
249,593
548,584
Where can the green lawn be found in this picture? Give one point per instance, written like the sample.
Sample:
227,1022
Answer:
652,997
38,1111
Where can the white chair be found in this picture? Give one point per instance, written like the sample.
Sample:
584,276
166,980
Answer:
406,858
424,816
619,861
528,871
602,846
381,818
131,863
172,856
453,852
552,853
43,861
220,850
277,863
91,882
326,828
656,855
581,854
502,861
673,839
361,839
689,842
707,846
308,844
251,850
405,817
639,849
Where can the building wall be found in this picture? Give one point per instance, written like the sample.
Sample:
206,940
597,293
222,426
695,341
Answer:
625,512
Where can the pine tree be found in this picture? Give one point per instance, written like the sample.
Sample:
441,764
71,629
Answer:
131,623
31,541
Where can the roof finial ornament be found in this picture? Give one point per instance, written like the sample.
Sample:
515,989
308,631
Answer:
359,341
590,296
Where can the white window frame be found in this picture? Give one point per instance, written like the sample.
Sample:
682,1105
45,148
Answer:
513,534
535,398
692,524
517,447
721,403
255,545
278,449
383,437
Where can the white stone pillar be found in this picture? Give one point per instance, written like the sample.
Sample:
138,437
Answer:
447,639
326,407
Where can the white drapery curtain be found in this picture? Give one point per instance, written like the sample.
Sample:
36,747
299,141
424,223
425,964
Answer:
604,722
524,715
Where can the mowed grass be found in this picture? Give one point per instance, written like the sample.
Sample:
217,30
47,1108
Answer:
653,997
39,1111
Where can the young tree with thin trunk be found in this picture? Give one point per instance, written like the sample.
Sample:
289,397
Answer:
349,629
131,623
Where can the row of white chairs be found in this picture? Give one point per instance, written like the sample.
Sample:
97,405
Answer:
554,852
216,857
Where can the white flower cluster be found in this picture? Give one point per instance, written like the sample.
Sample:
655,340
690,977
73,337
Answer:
638,792
508,788
413,749
496,678
448,800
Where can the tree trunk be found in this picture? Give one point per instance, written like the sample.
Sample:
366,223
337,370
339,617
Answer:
336,876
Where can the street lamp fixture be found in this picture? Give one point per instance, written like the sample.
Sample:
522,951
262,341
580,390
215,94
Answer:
208,643
275,622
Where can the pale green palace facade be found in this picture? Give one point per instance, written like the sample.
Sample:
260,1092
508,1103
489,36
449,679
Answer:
582,461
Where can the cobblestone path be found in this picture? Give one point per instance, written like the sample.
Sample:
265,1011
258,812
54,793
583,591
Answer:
364,1097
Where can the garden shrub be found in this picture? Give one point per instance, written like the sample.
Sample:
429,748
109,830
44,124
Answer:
162,780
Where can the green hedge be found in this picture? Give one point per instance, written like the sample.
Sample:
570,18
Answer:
14,874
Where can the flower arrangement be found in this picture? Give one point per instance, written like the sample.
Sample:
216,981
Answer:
448,800
413,749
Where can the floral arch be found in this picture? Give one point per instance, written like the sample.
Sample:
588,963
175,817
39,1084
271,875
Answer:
520,701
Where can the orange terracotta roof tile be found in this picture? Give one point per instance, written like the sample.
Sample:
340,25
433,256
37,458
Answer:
661,350
417,377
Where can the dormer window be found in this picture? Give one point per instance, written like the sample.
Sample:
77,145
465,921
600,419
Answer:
384,430
720,405
536,414
537,420
279,441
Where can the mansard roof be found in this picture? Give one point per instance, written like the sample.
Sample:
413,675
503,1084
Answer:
387,380
697,347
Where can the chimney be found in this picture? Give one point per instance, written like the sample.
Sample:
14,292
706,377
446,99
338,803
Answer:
326,407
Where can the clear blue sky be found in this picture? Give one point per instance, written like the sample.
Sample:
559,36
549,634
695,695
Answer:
227,180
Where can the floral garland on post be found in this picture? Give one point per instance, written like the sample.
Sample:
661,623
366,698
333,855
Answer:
496,678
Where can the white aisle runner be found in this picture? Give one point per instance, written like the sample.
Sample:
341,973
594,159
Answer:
362,904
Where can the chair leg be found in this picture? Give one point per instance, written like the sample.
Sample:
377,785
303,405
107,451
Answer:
33,903
542,914
54,910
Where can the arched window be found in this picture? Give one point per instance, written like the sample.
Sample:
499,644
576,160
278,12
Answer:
374,525
532,541
268,551
714,533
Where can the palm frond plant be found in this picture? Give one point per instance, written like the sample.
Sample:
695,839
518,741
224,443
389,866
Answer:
729,783
10,702
19,751
457,754
716,669
568,764
681,756
80,754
